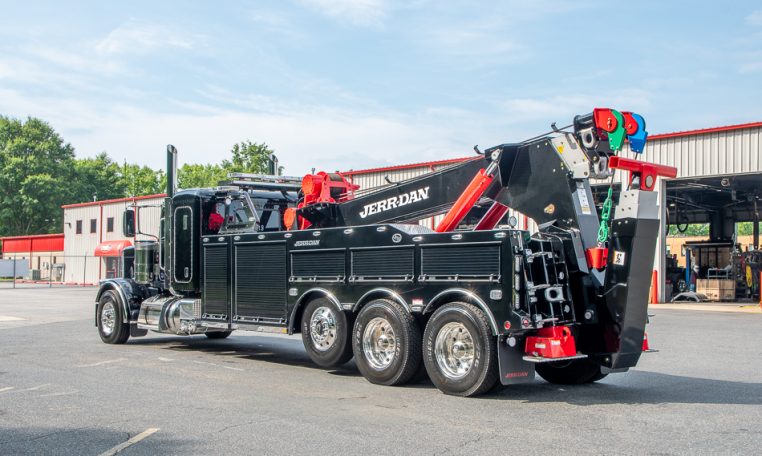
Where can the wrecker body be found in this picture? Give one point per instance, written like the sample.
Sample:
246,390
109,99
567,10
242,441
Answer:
352,271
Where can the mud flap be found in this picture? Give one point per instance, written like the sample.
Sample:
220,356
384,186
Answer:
137,332
513,368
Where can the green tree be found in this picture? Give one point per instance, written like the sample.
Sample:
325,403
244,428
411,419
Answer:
691,229
745,228
142,180
97,178
200,176
249,157
36,171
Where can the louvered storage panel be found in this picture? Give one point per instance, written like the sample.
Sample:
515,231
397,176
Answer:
448,262
216,288
390,263
320,265
260,281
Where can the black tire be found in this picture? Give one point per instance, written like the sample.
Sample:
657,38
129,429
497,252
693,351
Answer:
334,349
110,319
218,334
466,376
376,322
575,372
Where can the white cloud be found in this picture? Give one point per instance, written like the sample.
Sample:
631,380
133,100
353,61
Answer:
138,37
305,137
564,107
755,18
357,12
476,41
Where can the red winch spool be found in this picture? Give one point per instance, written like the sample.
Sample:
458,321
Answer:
551,342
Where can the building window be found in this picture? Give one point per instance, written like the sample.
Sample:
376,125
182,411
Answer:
93,225
110,224
79,226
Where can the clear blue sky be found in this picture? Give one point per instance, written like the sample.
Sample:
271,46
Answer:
339,84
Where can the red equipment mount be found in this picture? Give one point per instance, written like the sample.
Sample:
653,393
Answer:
646,172
320,188
551,343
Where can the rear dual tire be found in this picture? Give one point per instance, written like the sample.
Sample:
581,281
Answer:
326,333
387,343
459,350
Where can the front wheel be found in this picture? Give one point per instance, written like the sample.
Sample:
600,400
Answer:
386,343
111,326
575,372
459,350
325,334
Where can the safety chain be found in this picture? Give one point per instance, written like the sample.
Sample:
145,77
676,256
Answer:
603,231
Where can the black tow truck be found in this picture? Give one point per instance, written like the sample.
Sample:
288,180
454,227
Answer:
353,272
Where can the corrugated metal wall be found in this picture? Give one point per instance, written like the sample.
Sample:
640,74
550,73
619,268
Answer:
707,154
81,266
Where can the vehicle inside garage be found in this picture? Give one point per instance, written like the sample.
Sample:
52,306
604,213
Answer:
725,264
711,236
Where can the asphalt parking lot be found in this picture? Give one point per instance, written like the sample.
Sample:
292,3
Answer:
62,391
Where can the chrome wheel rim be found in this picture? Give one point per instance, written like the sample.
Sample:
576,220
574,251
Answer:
108,318
379,343
454,351
323,328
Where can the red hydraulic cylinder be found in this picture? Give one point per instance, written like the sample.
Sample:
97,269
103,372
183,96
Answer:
466,201
492,217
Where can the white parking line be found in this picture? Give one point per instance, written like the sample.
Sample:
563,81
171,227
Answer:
7,388
35,388
103,362
68,393
132,441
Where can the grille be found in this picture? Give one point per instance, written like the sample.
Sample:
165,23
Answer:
388,263
216,280
261,281
468,261
318,265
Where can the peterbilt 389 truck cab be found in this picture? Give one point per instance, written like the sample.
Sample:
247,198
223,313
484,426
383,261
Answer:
355,275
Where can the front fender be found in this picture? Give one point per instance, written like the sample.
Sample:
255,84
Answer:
128,293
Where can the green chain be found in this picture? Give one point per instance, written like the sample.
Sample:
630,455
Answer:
603,231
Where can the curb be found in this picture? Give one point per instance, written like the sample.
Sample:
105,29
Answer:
731,308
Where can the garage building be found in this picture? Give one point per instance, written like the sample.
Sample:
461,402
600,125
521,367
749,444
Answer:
93,240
